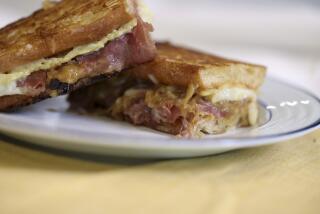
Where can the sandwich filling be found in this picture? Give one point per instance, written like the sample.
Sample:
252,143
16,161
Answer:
187,112
120,49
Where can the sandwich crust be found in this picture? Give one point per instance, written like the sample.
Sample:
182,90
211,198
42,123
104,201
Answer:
181,67
56,29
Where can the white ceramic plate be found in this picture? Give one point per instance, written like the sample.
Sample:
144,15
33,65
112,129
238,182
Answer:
286,112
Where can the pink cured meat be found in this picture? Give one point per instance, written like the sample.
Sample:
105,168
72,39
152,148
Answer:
139,113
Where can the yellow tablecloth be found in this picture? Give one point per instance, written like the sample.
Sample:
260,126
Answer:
282,178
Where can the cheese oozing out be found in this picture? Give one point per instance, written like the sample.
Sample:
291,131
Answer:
234,94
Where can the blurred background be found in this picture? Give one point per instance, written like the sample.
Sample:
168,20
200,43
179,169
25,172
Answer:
281,34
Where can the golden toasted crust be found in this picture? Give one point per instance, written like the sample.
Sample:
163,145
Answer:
59,28
182,67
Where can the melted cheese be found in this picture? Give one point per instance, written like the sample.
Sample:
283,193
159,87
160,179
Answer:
189,94
8,81
253,113
235,94
8,86
144,12
232,94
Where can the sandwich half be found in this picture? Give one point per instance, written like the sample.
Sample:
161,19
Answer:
69,44
182,92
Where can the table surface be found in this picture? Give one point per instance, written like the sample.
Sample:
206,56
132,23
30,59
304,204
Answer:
282,178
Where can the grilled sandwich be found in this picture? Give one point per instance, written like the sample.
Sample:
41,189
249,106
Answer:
70,44
182,92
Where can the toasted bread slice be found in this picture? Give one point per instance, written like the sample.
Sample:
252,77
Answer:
181,67
68,44
59,28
